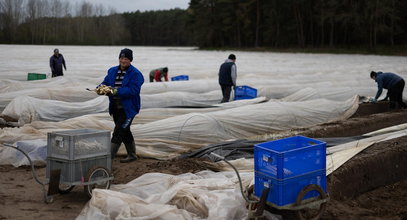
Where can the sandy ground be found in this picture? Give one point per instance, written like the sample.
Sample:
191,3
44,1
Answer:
372,185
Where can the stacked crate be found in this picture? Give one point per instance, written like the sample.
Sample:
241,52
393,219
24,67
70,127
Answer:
77,151
286,166
245,92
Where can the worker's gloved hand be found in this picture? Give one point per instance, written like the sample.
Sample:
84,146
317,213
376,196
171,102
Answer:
111,91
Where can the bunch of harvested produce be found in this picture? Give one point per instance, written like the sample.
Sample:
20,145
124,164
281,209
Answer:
104,90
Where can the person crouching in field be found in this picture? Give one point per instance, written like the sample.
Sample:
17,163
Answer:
394,85
158,74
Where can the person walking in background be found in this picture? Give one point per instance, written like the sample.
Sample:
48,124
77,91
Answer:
227,77
55,62
123,85
394,85
158,74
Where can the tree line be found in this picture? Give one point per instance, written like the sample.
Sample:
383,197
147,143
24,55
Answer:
210,23
298,23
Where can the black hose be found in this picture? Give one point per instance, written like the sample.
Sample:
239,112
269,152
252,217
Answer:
47,199
29,160
238,176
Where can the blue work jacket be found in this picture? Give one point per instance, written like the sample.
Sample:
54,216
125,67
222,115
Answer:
129,93
386,81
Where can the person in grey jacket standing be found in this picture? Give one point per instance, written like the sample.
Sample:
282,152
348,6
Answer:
394,85
56,62
227,77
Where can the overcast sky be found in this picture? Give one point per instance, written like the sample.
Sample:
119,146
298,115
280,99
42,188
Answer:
141,5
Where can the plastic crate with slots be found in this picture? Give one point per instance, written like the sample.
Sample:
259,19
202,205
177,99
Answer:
245,92
284,192
36,76
78,144
73,172
180,78
289,157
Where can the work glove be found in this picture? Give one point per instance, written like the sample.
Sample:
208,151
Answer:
112,91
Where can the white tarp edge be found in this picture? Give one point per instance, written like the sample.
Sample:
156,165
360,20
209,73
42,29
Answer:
337,155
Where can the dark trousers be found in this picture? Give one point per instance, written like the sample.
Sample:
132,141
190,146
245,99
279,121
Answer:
151,78
121,132
57,73
226,92
396,95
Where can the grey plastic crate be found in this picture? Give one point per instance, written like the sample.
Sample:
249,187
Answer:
74,171
78,144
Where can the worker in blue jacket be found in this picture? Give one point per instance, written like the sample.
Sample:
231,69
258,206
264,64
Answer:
124,85
394,85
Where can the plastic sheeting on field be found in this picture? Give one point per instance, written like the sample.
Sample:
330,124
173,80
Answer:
338,94
336,155
35,149
188,93
8,86
204,195
184,99
171,137
155,114
27,109
66,94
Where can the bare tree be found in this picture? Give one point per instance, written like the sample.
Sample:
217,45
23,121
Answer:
11,17
33,13
84,10
100,10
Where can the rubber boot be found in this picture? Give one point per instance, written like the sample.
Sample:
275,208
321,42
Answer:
131,153
113,149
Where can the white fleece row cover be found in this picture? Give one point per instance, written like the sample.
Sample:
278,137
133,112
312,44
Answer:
173,136
199,93
204,195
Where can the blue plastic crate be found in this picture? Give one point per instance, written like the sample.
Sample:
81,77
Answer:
180,78
245,92
289,157
285,192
